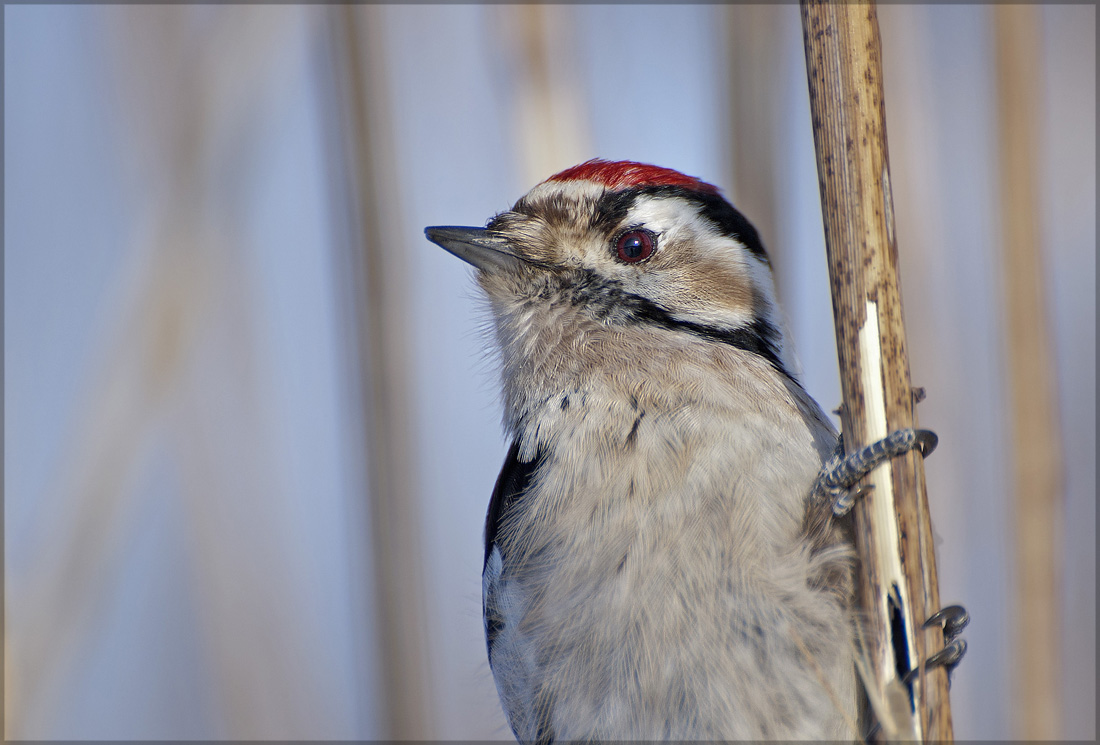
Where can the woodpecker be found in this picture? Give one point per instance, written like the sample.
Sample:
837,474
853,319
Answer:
663,557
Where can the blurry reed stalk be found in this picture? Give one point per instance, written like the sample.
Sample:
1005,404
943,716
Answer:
377,336
174,393
754,55
548,113
1032,407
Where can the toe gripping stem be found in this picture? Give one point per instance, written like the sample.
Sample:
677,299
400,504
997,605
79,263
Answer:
840,475
953,619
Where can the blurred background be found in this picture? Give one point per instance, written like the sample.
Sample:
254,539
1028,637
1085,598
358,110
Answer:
250,422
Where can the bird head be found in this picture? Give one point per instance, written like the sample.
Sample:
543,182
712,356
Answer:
624,245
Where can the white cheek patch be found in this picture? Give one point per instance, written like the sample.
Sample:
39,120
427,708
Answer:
671,218
679,222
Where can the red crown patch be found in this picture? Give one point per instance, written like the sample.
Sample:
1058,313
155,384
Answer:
626,174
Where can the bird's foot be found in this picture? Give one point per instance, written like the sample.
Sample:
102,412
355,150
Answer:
953,619
838,478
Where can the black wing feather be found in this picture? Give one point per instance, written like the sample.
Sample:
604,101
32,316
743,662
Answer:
513,481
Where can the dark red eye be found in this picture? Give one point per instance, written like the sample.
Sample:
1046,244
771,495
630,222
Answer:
635,245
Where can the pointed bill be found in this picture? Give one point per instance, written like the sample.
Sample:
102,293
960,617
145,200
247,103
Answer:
484,249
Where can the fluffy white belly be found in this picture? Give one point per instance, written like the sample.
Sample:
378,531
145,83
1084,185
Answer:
657,595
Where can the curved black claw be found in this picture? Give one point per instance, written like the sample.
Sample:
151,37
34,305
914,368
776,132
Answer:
948,658
840,474
953,619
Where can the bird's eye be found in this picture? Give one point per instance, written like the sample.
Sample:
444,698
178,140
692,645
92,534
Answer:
635,245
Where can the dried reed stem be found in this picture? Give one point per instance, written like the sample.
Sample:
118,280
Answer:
898,586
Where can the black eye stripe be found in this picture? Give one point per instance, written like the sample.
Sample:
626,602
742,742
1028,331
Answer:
759,337
607,301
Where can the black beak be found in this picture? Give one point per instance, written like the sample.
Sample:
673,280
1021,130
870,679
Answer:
484,249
